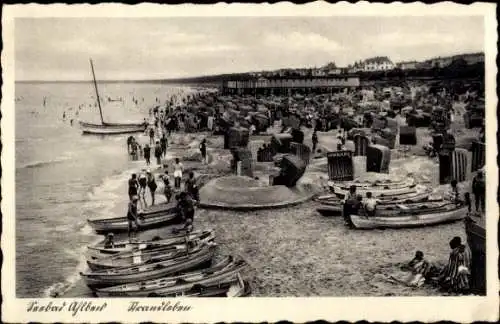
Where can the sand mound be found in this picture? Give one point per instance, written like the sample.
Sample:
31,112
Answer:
237,192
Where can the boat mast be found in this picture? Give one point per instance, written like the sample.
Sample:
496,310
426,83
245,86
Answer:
96,92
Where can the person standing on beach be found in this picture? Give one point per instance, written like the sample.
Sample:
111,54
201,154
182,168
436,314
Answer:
132,186
191,187
203,150
147,154
132,216
151,135
151,185
163,144
178,168
158,152
167,188
143,182
314,141
479,191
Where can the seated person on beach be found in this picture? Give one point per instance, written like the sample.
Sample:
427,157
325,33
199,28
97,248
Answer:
370,204
420,269
454,277
109,242
453,195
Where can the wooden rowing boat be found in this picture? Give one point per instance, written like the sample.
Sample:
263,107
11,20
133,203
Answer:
381,192
99,251
151,285
332,205
378,184
139,257
232,287
120,224
171,285
448,213
106,278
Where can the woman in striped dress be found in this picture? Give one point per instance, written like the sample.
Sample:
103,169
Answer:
455,275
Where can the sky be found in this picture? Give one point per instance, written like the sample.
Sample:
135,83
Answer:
162,48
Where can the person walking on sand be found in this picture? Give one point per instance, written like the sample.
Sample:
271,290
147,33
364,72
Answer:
151,185
314,141
132,216
147,154
132,186
163,144
178,168
158,152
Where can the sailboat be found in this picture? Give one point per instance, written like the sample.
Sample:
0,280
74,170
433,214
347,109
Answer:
105,128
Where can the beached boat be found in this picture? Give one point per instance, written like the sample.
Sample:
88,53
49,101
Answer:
106,278
380,191
376,184
120,224
332,205
447,213
99,251
400,209
223,270
105,128
139,257
235,287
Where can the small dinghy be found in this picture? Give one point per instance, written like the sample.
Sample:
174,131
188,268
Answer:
139,257
406,218
172,285
120,224
99,251
106,278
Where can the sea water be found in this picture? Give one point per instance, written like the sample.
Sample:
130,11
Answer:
63,177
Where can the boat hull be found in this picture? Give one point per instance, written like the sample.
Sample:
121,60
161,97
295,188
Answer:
148,272
172,286
112,128
402,221
120,224
98,251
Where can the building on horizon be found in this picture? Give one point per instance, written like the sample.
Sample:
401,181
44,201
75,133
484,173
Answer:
289,85
377,63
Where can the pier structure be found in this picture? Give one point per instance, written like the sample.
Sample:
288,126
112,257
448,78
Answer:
291,85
